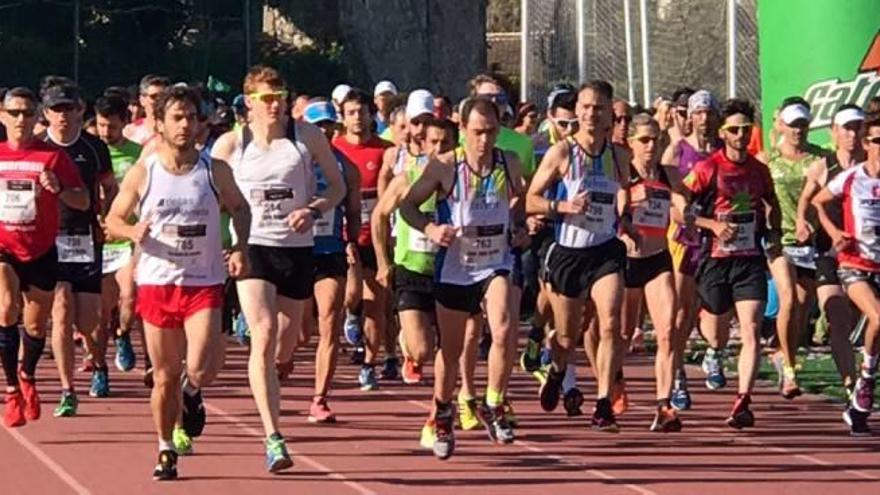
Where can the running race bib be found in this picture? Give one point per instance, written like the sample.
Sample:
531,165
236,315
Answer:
271,207
483,245
324,226
18,201
802,256
185,245
369,199
115,257
75,245
744,237
653,212
600,215
869,241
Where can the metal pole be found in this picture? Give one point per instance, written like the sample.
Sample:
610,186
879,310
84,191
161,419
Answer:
76,40
731,48
582,42
627,24
524,51
247,34
646,69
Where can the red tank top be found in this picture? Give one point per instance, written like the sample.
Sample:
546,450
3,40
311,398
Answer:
367,157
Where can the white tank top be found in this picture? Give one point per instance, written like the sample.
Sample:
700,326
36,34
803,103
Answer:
598,176
184,245
479,209
275,182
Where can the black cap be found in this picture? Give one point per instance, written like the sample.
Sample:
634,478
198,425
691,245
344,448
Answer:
60,95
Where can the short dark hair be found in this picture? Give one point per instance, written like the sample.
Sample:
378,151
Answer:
566,100
358,95
176,94
873,120
20,92
598,86
734,106
795,100
479,80
873,105
682,93
112,105
120,91
479,104
153,80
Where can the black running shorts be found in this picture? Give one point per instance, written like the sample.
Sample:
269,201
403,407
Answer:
412,290
331,265
465,298
640,271
40,273
290,270
572,272
721,282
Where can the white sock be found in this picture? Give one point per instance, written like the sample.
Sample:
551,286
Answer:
188,388
570,380
870,363
166,445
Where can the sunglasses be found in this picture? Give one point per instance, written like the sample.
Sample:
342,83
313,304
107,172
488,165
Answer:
737,129
565,124
644,139
269,96
873,140
682,112
622,119
498,98
16,113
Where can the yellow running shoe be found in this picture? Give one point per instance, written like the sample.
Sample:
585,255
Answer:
467,413
428,435
182,442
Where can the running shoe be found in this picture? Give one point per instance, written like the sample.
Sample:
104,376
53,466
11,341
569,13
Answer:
444,433
572,401
194,417
148,376
125,359
358,355
32,408
786,377
619,397
637,344
88,364
241,330
319,411
467,413
857,422
411,372
603,417
367,379
530,359
740,416
13,415
863,395
67,406
496,425
284,370
426,440
713,366
100,383
680,398
666,420
510,414
540,375
277,458
183,443
354,334
166,468
390,371
551,389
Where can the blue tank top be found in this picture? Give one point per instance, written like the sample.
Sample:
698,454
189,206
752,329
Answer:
328,230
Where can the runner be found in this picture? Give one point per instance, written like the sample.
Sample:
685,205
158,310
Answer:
684,244
623,115
142,130
180,268
734,191
118,288
333,256
847,132
80,245
794,271
36,177
855,242
271,159
648,272
365,150
479,207
587,260
383,96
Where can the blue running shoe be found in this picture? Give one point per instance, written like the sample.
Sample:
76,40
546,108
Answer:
125,359
100,383
367,379
277,458
241,330
391,370
713,366
354,334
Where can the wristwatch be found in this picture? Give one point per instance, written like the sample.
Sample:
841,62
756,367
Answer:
316,213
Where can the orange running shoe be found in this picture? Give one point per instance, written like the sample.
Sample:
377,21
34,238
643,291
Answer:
31,397
412,372
14,415
619,397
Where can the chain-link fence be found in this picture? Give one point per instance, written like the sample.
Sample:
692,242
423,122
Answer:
687,44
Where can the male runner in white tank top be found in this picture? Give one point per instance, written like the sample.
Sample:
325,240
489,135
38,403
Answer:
180,269
272,159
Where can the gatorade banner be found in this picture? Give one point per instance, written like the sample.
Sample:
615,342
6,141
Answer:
827,51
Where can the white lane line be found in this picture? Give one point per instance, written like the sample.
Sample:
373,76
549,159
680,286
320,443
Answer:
359,488
48,462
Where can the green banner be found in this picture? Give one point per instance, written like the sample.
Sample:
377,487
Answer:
827,51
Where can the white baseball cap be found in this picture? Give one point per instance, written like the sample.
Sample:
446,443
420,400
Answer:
792,113
385,87
340,92
847,115
420,102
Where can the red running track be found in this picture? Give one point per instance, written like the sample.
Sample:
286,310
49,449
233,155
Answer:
799,447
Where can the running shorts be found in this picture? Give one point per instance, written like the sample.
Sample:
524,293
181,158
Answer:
169,306
413,291
640,271
465,298
290,270
721,282
572,272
